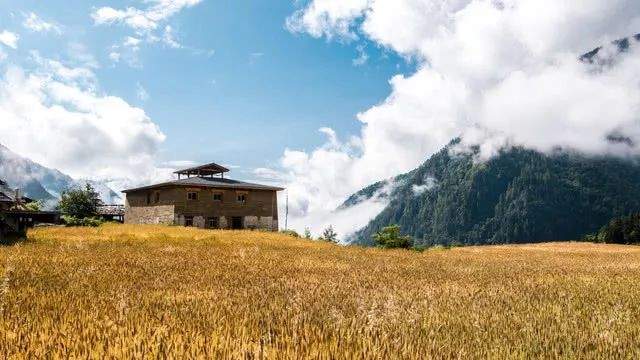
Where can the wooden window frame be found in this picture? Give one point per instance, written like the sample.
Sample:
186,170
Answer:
189,196
218,193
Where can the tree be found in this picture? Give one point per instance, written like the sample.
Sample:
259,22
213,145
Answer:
80,203
624,230
390,238
34,206
307,233
329,235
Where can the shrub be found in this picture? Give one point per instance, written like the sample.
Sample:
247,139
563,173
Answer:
80,203
329,235
88,221
290,233
34,206
390,238
624,230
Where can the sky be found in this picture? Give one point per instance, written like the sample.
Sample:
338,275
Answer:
223,81
321,96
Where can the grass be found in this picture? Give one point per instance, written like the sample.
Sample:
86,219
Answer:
142,291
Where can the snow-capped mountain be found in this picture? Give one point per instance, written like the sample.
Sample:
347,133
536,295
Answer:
42,183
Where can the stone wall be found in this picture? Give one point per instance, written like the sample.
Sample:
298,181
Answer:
261,223
172,205
161,214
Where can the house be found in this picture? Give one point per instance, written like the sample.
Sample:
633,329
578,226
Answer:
203,197
15,216
111,213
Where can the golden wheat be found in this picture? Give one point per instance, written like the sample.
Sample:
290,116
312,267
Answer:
148,291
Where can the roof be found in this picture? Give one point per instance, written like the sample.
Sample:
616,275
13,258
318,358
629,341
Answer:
208,169
7,194
208,183
113,210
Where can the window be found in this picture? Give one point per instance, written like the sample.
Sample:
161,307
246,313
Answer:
242,198
192,196
148,199
188,221
213,222
157,197
217,196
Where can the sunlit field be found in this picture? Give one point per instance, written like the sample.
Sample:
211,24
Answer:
143,291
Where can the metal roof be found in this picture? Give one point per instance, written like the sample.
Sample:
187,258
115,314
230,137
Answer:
208,169
208,183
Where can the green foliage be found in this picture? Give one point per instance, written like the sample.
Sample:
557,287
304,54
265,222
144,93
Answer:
329,235
518,196
624,230
80,203
290,233
389,238
87,221
307,233
34,206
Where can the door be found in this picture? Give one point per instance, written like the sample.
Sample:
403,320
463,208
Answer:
237,222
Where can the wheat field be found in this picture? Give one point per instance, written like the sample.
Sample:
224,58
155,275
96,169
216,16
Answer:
122,291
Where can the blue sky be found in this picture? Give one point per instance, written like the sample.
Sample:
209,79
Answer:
241,88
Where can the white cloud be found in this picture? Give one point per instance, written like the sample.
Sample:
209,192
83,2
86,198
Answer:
497,72
141,92
114,56
147,24
55,115
429,183
168,37
9,39
142,20
362,58
330,18
34,23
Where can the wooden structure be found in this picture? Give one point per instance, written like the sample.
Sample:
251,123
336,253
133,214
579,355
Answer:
111,212
15,217
203,197
208,170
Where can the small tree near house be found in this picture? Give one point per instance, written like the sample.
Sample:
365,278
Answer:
329,235
80,203
390,238
307,233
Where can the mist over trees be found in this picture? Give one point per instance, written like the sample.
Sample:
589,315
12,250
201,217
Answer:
519,196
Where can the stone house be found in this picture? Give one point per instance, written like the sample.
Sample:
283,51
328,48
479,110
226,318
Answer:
203,197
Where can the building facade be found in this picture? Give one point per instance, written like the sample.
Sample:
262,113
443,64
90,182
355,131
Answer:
204,199
15,216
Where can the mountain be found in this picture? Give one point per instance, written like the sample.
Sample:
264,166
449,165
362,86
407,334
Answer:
620,46
107,195
519,196
42,183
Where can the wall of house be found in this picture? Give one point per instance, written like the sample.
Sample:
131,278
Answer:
260,210
136,211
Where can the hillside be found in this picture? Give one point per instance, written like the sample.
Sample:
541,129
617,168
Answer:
42,183
519,196
122,291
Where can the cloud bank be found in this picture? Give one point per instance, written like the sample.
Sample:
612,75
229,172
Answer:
496,72
56,115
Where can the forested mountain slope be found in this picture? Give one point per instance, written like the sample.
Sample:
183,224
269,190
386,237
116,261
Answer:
518,196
